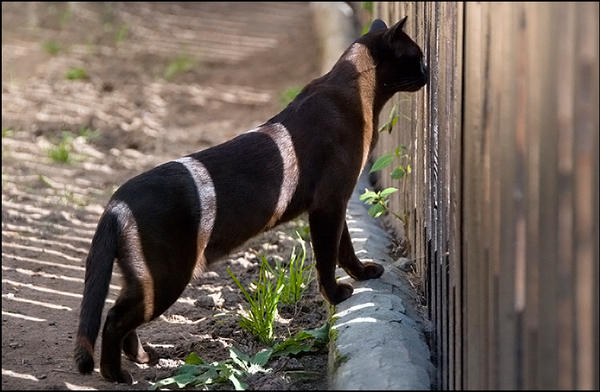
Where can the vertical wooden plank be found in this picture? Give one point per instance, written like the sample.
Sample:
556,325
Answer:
505,171
521,189
547,361
456,231
476,44
440,205
586,160
492,185
531,320
565,83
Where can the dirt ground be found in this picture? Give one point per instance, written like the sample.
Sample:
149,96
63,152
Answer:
161,81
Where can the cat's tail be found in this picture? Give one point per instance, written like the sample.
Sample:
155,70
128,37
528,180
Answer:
98,271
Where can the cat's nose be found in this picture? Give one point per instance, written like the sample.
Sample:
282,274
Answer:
424,70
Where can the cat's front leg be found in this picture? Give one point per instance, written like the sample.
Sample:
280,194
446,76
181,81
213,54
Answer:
351,264
326,226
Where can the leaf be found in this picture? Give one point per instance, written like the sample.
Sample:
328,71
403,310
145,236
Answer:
292,348
320,334
398,173
261,358
368,195
182,380
193,359
188,369
241,359
388,191
408,169
162,383
295,345
382,162
376,210
237,383
391,122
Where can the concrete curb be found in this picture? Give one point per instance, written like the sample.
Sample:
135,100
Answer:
377,335
377,340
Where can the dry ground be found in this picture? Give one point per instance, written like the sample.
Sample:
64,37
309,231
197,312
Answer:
127,115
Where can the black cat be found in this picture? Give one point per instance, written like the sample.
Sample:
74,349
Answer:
167,223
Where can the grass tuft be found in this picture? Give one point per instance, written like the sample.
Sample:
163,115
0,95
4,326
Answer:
51,46
296,277
76,73
179,65
262,311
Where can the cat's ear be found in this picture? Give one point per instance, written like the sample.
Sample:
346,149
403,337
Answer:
377,25
394,32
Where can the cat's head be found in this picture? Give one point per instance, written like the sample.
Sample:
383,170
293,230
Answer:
400,65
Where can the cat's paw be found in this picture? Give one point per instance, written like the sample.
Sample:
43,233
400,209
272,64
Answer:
371,271
147,356
120,376
338,293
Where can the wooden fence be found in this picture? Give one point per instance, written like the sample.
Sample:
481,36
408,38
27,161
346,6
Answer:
502,198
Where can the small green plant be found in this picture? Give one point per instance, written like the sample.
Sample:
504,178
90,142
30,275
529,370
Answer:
262,303
393,119
89,134
61,152
303,341
65,16
368,7
296,277
303,229
7,132
51,46
378,201
121,33
178,65
288,95
76,73
197,373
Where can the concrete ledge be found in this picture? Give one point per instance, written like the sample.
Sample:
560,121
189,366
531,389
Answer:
377,335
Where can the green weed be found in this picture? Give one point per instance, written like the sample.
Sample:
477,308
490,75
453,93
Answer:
389,125
296,277
197,373
377,200
121,33
51,46
303,341
7,132
61,152
288,95
76,73
263,302
89,134
179,65
65,16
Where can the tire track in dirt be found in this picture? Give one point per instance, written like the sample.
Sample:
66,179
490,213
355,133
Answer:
245,56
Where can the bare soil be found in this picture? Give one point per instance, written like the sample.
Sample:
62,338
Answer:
241,57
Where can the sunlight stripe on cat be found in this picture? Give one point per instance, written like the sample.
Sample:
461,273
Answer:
136,260
363,62
282,138
207,197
